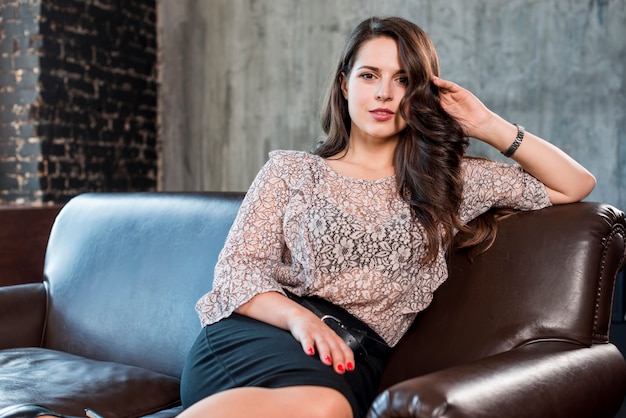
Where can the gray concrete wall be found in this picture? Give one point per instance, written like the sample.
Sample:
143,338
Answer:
242,77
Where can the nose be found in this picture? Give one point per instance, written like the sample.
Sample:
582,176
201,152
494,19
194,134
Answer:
384,91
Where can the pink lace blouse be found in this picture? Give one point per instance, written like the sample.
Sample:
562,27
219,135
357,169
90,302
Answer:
305,228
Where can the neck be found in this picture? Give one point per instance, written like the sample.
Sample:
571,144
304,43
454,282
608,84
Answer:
372,155
365,161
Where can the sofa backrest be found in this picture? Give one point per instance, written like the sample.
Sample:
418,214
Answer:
125,270
550,275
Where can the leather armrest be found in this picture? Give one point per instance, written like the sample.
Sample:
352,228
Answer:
22,315
555,379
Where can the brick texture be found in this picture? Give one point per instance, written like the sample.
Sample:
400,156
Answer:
97,113
78,100
20,43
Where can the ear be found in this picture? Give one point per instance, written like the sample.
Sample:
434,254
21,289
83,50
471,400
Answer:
344,85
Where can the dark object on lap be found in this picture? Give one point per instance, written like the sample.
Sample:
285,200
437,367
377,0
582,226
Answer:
358,336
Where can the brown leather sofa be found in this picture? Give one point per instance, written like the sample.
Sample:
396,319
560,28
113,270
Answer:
519,331
24,231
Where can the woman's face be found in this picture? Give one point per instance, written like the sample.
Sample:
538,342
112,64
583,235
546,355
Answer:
374,88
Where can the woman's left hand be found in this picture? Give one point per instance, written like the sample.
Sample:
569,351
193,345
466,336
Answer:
565,179
464,107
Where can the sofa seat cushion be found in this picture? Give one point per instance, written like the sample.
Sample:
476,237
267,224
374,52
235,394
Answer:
68,384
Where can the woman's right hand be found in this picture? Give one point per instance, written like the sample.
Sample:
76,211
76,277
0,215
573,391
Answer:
317,337
314,335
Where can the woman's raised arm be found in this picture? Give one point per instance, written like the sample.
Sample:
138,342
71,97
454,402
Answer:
565,179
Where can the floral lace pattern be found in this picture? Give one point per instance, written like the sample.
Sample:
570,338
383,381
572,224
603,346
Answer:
305,228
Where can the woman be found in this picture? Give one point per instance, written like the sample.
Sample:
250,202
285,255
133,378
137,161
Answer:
363,222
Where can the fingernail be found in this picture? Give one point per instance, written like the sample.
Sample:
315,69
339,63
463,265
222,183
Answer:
349,366
340,368
327,359
310,351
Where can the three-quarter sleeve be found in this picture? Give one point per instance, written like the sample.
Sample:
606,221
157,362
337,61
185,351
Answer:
491,184
253,249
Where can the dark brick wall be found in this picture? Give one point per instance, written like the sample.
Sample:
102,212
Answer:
20,43
78,98
96,116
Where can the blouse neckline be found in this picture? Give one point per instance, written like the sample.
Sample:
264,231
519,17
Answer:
331,171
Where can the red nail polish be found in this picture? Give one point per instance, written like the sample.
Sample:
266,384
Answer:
310,351
327,359
340,368
349,366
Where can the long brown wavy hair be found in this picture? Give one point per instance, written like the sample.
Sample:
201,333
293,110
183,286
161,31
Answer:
428,156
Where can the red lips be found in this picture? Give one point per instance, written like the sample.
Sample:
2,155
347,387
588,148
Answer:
382,114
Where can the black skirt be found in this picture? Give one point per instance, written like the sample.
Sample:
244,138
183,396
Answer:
239,351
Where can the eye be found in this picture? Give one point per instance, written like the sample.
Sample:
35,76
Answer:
404,81
367,76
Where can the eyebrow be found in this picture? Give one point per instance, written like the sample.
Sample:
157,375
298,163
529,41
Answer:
369,67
